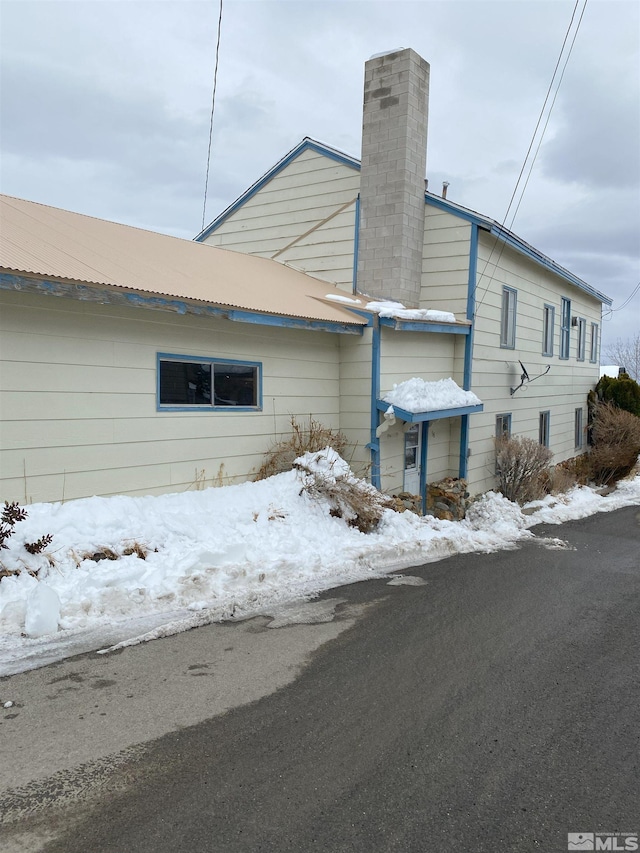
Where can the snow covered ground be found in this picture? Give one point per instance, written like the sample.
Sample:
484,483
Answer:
189,559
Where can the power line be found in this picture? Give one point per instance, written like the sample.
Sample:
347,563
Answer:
213,104
611,311
533,138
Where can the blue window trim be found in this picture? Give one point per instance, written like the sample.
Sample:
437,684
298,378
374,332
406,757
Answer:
552,313
504,330
201,407
544,436
581,350
578,421
505,416
565,328
595,348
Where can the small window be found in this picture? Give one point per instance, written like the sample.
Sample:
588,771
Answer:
579,436
548,329
565,328
543,435
508,319
503,426
186,382
582,338
593,354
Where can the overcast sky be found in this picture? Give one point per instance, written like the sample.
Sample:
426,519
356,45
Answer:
106,107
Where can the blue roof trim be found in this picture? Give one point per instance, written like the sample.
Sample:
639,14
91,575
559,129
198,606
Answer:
424,326
515,242
307,144
419,417
109,294
524,248
448,206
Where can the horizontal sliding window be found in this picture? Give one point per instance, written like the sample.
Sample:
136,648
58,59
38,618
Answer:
186,382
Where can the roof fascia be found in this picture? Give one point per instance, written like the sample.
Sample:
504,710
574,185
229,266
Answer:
119,296
307,144
419,417
424,326
516,243
454,210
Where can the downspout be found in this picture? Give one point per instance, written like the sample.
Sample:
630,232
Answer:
424,445
374,444
468,348
356,245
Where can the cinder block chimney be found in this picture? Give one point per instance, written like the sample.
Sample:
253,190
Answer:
394,159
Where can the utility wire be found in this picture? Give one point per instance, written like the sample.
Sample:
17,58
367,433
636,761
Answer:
544,129
533,138
213,104
612,311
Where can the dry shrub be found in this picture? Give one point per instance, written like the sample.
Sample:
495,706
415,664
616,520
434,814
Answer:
309,438
520,465
559,478
357,502
616,444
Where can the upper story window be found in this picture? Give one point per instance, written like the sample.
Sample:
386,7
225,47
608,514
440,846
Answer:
205,384
595,333
548,329
565,327
508,318
582,338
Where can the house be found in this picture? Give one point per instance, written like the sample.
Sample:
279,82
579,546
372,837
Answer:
136,363
531,347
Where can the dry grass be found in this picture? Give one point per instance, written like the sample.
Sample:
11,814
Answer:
307,438
521,464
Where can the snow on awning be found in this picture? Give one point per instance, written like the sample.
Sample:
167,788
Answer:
397,311
419,400
396,316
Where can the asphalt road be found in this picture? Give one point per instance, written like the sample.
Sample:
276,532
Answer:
493,710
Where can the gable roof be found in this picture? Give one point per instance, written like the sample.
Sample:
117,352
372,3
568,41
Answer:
484,222
48,242
307,144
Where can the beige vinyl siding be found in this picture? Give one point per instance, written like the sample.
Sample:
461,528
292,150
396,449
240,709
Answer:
497,370
355,398
78,398
445,263
303,197
405,355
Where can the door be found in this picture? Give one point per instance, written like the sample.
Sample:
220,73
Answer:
412,460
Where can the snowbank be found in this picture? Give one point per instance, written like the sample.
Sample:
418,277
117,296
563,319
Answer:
399,312
222,552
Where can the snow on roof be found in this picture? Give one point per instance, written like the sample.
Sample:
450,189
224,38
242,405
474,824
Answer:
418,395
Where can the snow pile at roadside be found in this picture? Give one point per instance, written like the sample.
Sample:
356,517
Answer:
226,552
583,501
418,395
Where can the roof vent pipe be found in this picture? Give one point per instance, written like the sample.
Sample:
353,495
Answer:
445,187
